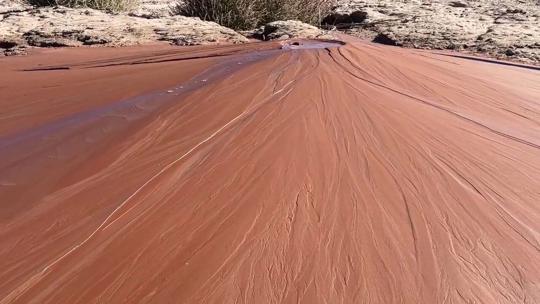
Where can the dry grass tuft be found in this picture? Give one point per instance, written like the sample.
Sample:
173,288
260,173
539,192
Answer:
106,5
248,14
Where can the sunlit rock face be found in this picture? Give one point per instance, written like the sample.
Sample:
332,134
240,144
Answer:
505,29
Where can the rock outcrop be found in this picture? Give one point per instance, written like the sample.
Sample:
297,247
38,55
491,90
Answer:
507,29
152,9
290,29
22,26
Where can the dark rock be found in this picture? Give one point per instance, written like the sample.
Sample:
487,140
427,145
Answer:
516,11
386,39
15,51
92,40
36,38
4,44
343,19
458,4
283,30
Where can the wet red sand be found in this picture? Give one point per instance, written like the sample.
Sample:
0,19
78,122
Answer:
360,174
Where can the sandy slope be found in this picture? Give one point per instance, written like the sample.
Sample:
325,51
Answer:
360,174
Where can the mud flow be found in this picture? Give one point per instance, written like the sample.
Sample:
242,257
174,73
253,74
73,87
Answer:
311,45
305,172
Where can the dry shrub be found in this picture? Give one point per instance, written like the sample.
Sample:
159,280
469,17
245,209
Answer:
107,5
239,14
248,14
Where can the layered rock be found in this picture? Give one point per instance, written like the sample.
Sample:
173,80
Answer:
290,29
23,26
155,9
505,29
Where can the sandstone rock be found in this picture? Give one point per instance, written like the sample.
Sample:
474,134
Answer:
490,27
386,38
9,6
282,30
11,47
345,19
60,26
458,4
151,9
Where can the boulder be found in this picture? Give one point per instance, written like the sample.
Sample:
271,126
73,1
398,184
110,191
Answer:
61,27
289,29
345,19
152,9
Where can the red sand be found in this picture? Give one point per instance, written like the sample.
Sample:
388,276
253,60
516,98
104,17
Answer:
248,174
